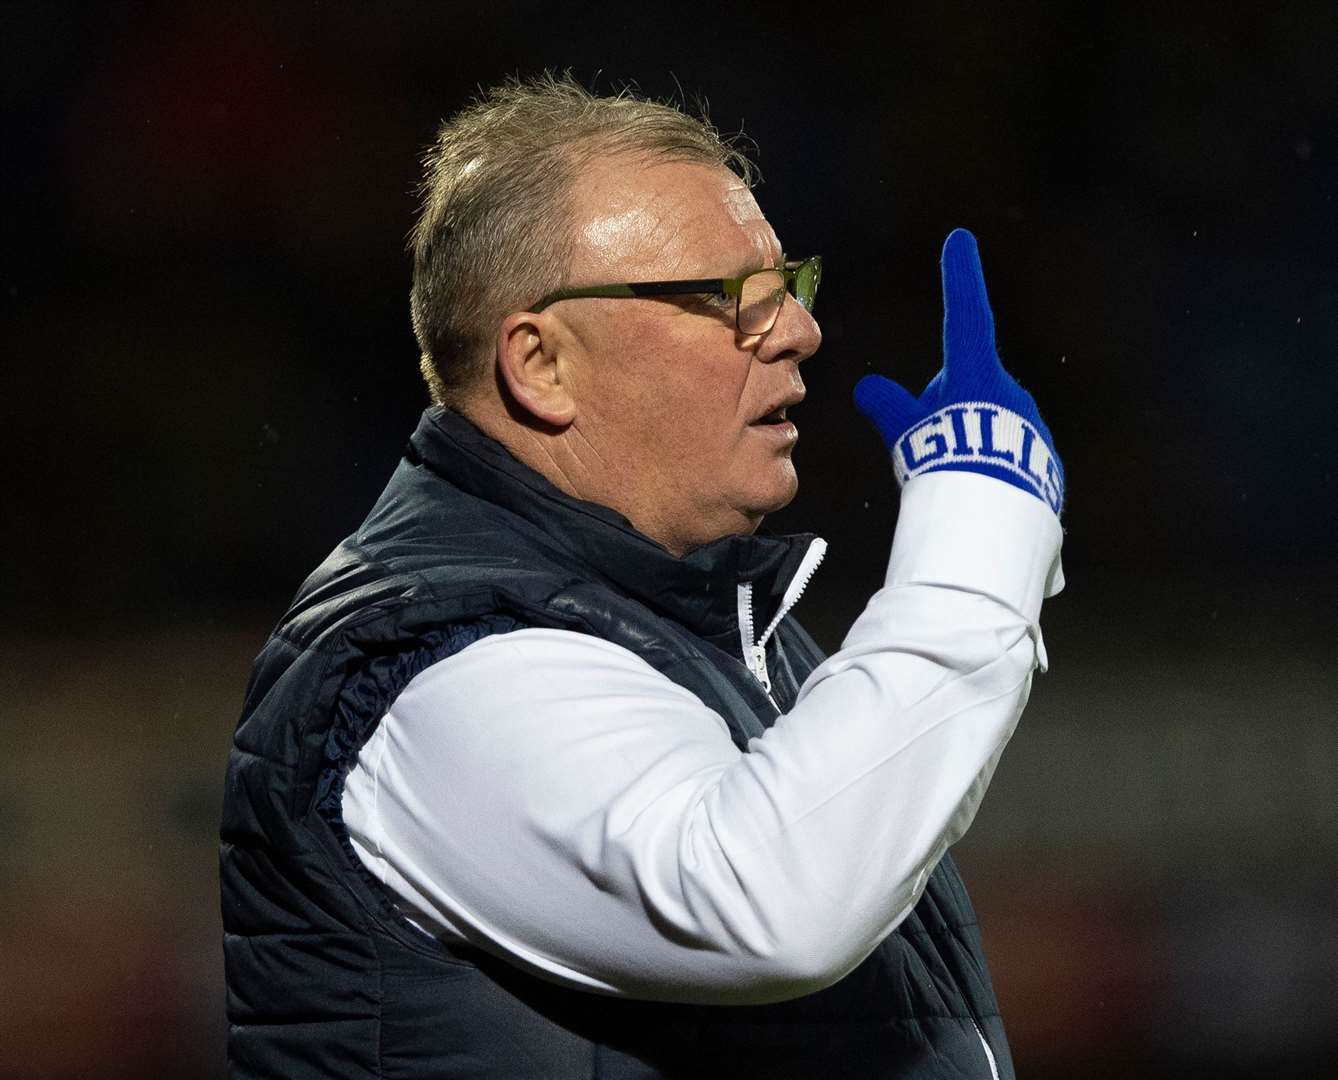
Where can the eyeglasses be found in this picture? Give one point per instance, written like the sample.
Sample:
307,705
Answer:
758,296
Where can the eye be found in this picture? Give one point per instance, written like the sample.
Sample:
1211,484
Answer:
716,301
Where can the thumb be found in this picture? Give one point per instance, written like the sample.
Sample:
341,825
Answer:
890,406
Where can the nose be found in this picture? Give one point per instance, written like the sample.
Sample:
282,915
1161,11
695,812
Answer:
794,336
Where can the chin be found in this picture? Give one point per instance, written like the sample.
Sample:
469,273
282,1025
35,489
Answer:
779,492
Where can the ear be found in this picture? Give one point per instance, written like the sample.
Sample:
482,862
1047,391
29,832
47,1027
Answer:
527,363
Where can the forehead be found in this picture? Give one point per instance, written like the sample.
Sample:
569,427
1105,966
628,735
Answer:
638,220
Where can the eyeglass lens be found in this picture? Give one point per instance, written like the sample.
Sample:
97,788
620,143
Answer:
760,299
763,293
806,284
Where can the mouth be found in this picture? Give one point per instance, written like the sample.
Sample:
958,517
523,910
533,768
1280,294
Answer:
778,413
775,425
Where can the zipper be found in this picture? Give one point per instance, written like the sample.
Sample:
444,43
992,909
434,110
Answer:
755,652
989,1054
750,652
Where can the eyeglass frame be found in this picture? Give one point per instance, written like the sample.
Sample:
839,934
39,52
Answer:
732,286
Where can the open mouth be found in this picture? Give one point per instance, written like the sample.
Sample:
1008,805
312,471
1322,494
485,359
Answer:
776,416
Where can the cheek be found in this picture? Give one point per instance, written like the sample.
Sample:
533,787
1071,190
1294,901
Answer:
701,410
690,392
672,400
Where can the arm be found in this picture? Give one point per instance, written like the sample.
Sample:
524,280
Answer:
550,796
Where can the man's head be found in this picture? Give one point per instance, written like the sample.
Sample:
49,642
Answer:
496,228
649,406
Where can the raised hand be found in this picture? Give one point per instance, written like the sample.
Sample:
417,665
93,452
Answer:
973,415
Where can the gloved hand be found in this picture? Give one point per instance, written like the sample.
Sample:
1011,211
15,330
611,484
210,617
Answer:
973,415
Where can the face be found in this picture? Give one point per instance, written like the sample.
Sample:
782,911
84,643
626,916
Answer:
669,397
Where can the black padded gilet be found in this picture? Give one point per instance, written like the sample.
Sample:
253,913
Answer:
325,979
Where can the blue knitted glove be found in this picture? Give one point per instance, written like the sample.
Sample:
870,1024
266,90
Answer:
973,415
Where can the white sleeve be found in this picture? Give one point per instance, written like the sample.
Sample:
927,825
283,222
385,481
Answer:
550,797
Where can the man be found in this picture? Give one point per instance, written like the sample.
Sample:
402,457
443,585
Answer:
539,776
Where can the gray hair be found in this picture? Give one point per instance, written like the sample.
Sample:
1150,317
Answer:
495,229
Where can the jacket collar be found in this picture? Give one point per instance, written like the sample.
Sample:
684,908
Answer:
699,589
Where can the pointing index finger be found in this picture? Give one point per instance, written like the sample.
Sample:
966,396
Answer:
968,323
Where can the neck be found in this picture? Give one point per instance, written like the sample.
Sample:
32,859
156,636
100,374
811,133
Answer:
572,464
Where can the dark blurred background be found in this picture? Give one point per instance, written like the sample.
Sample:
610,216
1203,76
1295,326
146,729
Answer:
209,374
